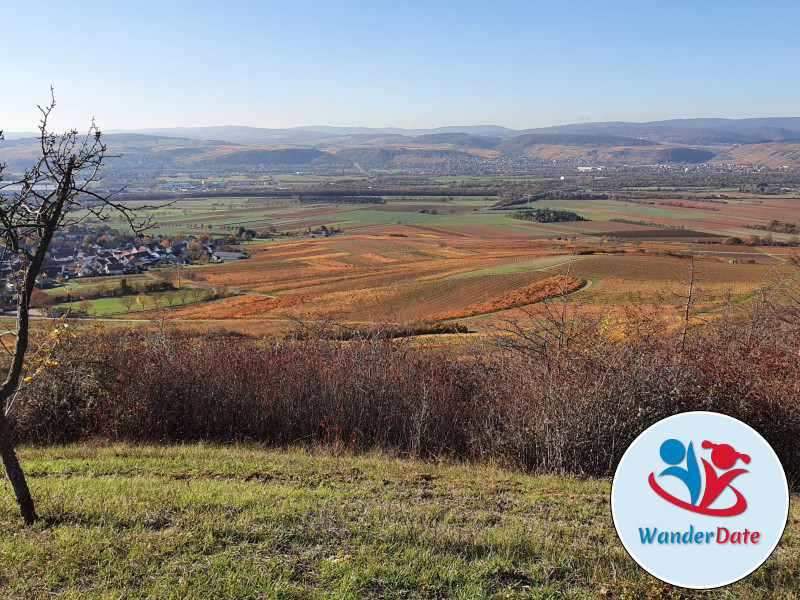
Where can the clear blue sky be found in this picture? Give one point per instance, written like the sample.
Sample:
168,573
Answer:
134,64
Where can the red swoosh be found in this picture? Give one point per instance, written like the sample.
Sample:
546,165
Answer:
737,508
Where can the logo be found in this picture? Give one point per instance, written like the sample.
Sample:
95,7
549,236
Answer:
699,500
723,456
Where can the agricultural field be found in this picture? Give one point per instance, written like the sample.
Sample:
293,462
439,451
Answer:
685,218
423,259
372,278
637,278
382,278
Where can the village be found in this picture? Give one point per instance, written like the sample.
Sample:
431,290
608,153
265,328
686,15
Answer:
82,254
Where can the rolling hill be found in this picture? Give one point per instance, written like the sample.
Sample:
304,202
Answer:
768,142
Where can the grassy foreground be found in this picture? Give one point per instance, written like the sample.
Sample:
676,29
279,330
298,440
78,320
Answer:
208,522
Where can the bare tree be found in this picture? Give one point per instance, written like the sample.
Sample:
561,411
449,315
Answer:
127,302
687,309
551,327
54,193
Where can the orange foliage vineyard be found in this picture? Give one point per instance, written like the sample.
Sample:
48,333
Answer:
535,292
399,274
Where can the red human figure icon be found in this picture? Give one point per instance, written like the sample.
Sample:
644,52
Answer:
724,457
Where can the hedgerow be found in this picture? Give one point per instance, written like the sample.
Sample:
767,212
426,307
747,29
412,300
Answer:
553,407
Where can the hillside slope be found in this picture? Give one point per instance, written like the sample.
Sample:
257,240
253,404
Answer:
588,145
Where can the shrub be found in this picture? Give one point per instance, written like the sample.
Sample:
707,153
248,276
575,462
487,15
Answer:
567,409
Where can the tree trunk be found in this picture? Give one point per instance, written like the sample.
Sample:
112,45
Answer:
49,225
15,474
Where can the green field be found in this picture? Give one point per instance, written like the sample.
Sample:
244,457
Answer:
537,264
99,306
222,215
207,522
93,289
602,210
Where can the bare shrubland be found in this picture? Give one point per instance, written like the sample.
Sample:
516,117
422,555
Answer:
559,394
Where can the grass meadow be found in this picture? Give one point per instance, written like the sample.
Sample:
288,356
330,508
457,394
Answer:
198,521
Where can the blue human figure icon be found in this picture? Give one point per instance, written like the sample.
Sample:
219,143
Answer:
672,452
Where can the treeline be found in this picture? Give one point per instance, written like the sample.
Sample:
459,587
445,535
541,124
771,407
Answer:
546,215
703,178
361,189
568,398
762,240
777,227
334,198
645,223
265,192
515,197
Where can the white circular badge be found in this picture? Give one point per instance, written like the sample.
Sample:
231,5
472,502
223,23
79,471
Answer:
699,500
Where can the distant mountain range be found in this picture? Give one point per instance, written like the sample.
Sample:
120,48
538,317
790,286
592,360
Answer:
765,141
682,131
695,131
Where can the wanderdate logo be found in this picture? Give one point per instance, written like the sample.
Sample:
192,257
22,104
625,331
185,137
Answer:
723,457
699,500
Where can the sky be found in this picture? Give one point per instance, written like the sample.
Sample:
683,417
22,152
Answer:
414,64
